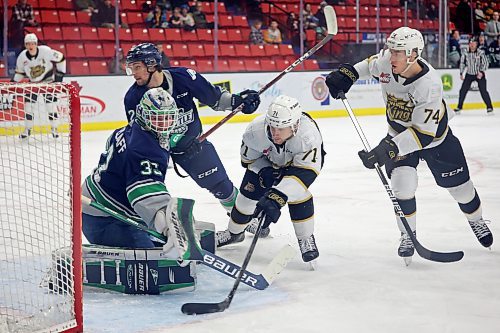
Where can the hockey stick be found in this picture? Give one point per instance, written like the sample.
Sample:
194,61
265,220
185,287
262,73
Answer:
257,281
421,250
331,24
202,308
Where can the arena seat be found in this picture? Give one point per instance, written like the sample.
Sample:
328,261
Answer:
79,67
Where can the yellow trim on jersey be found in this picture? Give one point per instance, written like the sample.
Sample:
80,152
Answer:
415,136
424,132
300,201
307,168
410,215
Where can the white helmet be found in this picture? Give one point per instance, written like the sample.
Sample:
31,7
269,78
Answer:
157,112
30,38
284,112
406,39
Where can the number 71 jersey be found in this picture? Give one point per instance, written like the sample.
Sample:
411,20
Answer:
304,150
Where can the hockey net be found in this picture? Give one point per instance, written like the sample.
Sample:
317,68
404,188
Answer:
40,210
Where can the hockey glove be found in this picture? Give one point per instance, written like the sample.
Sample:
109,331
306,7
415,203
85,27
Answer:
249,98
341,79
385,151
270,204
58,76
268,176
185,144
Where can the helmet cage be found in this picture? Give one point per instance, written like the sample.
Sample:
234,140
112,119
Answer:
157,112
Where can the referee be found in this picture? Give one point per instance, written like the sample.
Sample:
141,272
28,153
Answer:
476,63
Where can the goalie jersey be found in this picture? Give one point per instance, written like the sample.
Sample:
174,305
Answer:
39,68
183,84
130,176
416,112
301,156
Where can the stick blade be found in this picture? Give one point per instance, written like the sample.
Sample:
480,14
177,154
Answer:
204,308
331,20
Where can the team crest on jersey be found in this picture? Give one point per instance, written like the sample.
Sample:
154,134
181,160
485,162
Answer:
399,109
185,118
384,77
36,71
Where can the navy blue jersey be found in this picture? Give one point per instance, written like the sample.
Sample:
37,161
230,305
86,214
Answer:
183,84
131,173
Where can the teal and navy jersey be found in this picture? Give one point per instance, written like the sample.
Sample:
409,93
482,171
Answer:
183,84
130,176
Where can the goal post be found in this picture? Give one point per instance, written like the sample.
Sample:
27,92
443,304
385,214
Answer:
40,209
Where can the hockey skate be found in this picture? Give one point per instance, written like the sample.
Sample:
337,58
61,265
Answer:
406,248
308,249
54,132
457,111
25,134
252,228
489,111
223,238
482,232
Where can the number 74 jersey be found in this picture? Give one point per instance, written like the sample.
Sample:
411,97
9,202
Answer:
415,110
304,150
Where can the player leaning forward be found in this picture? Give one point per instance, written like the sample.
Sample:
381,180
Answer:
418,129
39,64
283,154
130,177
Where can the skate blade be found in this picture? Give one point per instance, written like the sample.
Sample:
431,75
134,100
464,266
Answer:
313,265
407,260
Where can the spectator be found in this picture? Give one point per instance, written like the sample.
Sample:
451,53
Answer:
478,12
463,17
176,19
454,51
165,61
494,50
157,18
272,35
22,16
199,17
482,45
489,10
492,30
310,21
105,16
256,35
187,19
122,64
432,12
164,4
85,6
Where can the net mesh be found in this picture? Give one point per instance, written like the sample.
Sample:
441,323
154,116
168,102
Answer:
37,288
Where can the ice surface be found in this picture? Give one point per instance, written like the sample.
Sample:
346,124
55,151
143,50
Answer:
361,285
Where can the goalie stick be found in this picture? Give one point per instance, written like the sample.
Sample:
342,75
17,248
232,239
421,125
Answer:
421,250
203,308
331,26
257,281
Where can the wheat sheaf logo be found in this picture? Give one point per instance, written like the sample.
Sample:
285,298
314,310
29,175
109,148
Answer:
399,109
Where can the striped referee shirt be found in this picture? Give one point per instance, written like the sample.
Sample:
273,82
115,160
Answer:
474,62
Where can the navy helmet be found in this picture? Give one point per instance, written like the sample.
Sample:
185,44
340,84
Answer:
147,53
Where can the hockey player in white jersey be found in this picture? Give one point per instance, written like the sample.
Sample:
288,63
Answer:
283,154
418,129
39,63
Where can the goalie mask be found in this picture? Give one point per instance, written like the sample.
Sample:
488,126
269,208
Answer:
157,112
284,112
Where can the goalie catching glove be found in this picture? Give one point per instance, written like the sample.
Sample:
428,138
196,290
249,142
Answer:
181,238
270,204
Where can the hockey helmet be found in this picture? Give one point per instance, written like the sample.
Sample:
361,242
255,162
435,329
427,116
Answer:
30,38
284,112
406,39
157,112
148,53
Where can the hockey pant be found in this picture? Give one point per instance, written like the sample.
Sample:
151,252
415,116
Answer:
206,169
448,166
30,106
300,207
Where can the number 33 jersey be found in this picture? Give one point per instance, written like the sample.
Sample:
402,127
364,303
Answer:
416,112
